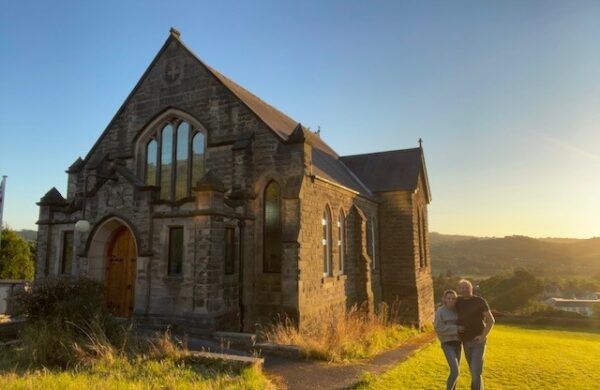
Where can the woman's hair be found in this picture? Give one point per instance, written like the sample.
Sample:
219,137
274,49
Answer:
449,292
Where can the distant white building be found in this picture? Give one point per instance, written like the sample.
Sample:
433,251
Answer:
586,307
551,291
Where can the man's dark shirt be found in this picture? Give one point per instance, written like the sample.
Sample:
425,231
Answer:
470,315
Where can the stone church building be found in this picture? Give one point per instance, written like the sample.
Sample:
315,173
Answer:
204,206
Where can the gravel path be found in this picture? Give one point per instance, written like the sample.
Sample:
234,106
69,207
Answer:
309,375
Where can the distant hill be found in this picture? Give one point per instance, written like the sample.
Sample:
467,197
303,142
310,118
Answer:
29,235
468,255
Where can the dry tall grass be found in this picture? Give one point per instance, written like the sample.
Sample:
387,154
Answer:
340,337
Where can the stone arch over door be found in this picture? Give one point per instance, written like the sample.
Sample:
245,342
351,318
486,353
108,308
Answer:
112,259
358,264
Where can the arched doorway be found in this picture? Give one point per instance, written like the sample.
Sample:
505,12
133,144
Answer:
120,273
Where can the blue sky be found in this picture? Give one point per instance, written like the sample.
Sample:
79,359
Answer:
505,94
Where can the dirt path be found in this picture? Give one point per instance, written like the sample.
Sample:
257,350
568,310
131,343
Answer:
310,375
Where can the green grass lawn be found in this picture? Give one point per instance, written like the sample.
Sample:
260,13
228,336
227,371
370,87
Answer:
516,358
140,374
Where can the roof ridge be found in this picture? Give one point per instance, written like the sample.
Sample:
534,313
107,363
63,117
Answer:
171,37
232,86
248,91
383,152
355,176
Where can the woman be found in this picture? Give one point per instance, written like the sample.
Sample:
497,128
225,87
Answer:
447,330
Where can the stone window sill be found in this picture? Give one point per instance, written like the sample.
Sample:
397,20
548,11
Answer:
173,278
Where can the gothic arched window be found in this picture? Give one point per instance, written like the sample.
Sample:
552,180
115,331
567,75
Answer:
197,157
327,242
151,162
166,161
181,165
422,239
174,159
371,237
342,240
272,233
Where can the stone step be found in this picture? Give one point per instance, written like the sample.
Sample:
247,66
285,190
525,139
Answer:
236,359
237,338
289,351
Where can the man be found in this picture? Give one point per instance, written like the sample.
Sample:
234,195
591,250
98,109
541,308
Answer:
475,316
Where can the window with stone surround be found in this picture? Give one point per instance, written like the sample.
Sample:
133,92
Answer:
326,222
174,158
66,259
229,250
371,238
197,157
272,229
422,238
175,266
151,162
341,241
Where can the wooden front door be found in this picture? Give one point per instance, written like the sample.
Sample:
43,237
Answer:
120,273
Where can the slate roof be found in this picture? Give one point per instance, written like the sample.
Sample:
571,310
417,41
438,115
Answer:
326,162
364,173
389,171
52,197
275,119
332,168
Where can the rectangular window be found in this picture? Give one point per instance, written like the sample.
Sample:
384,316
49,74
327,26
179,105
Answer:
66,263
175,250
229,251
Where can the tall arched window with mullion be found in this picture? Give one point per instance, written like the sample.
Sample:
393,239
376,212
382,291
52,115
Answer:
420,230
423,238
197,157
181,165
374,243
371,242
166,161
151,162
272,232
327,269
342,240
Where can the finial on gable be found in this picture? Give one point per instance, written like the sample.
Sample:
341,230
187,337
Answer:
420,143
174,32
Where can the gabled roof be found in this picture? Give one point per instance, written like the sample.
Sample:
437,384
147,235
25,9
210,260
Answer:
390,171
345,171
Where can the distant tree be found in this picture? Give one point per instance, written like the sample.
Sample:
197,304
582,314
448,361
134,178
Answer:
442,283
578,287
510,292
16,261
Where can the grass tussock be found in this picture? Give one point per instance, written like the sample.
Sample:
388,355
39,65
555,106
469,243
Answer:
341,337
141,372
69,348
